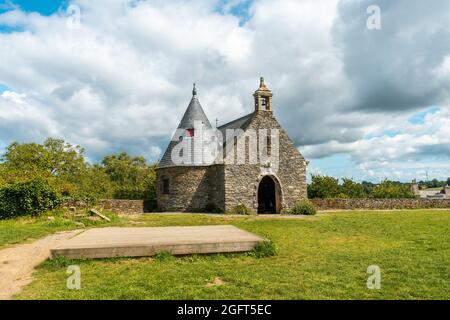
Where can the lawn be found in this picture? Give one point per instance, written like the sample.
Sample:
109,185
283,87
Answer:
323,257
25,229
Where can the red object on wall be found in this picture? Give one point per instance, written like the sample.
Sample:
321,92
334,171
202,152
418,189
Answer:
189,132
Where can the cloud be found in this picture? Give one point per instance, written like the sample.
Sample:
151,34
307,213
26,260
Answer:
123,79
414,149
395,68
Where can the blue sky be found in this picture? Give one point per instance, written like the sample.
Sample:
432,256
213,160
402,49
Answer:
3,88
44,7
336,165
239,8
354,114
419,117
48,7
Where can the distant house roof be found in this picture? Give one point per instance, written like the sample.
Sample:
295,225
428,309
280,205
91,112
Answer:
431,194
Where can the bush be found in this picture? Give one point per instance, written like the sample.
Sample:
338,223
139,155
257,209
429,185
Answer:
392,190
304,207
241,209
217,211
164,256
212,208
27,198
265,249
352,189
323,187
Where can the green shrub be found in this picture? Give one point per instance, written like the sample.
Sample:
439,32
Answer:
27,198
163,256
241,209
352,189
217,210
392,190
323,187
212,208
265,249
304,207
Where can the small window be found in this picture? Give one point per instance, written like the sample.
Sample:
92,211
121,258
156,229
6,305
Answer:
189,132
269,145
166,186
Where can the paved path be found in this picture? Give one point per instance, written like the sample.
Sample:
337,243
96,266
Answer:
17,263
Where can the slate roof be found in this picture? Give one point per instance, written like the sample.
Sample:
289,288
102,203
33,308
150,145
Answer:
194,112
240,123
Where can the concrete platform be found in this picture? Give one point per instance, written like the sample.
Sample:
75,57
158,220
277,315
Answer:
141,242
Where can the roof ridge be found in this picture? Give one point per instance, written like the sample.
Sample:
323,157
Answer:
235,120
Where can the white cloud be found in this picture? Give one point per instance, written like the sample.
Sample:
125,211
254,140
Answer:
410,152
123,80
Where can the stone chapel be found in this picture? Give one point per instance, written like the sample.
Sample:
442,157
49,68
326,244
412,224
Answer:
249,161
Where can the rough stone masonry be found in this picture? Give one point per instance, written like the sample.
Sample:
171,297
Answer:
263,186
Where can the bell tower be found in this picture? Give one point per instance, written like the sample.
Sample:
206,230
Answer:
263,98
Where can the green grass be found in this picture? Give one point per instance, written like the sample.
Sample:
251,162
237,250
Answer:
29,228
322,257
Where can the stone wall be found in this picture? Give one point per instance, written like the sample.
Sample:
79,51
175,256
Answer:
144,206
228,185
216,185
242,181
188,188
380,204
117,206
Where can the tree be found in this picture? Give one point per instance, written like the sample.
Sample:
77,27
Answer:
435,183
65,159
352,189
448,181
61,164
95,183
124,169
323,187
392,189
368,187
27,157
132,177
54,157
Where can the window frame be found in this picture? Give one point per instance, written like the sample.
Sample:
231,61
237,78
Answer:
190,133
165,186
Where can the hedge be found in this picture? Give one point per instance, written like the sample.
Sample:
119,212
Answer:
27,198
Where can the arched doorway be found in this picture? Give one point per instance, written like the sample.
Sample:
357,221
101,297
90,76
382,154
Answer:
268,196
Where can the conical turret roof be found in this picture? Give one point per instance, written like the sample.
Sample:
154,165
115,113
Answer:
194,113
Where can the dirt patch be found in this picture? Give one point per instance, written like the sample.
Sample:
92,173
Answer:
216,282
17,263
